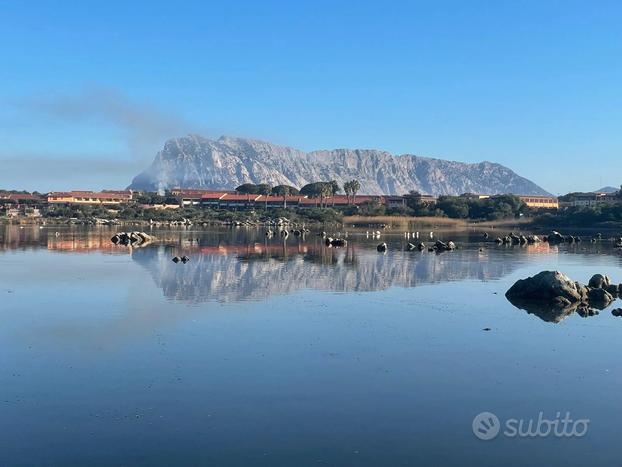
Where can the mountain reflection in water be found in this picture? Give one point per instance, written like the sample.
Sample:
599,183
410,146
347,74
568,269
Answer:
258,271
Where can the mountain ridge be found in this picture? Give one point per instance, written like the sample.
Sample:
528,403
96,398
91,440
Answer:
194,161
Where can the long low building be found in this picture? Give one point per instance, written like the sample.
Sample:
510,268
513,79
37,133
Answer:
589,199
237,200
540,202
90,197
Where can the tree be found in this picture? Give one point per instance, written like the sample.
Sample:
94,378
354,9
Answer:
334,187
279,189
264,189
355,186
285,191
347,190
326,191
312,189
248,188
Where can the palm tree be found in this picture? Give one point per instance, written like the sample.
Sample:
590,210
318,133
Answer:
265,189
355,186
325,192
286,191
347,188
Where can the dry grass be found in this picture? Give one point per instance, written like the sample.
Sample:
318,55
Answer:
405,220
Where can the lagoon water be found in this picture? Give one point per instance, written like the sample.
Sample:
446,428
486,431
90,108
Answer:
265,352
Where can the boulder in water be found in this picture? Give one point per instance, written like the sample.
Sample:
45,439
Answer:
599,281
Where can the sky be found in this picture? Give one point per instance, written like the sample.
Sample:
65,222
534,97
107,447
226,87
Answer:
89,91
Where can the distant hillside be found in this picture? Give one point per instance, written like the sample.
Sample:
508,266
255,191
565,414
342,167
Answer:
607,189
197,162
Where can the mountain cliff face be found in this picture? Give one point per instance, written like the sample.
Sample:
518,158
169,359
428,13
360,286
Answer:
197,162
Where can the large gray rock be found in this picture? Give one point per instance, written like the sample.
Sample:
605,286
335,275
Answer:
599,281
548,287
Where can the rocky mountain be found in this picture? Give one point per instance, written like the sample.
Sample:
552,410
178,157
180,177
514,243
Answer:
197,162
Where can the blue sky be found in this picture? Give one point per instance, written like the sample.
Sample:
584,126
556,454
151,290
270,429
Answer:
90,90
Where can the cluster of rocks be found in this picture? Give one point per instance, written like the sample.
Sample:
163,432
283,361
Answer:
336,242
514,239
180,259
555,237
442,246
279,222
284,233
552,295
132,239
438,246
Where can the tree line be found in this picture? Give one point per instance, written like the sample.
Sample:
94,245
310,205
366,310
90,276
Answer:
321,190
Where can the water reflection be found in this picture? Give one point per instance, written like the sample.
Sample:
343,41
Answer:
258,271
231,265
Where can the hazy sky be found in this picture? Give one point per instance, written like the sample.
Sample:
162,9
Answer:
90,90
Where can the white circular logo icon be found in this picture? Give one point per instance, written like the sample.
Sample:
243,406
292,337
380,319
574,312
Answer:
486,426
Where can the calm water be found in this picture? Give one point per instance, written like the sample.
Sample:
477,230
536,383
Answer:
260,352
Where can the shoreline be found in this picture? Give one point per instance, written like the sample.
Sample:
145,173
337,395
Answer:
383,221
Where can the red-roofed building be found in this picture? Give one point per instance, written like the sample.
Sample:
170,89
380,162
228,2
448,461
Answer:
90,197
192,196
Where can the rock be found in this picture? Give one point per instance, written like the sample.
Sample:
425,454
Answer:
421,246
411,247
176,259
185,259
586,311
339,242
498,240
547,287
617,312
485,234
382,247
328,241
613,289
555,237
600,297
598,281
441,246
